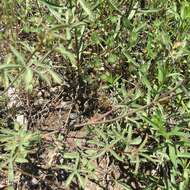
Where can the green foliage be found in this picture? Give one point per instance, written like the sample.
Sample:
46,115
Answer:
138,52
17,144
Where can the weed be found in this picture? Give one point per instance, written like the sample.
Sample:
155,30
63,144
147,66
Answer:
124,68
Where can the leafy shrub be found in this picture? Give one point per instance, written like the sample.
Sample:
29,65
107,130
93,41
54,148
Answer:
137,53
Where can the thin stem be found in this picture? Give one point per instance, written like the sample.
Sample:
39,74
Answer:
164,97
167,96
39,9
77,51
22,70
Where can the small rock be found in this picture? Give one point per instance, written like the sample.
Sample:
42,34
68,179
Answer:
40,101
39,94
53,89
66,105
11,93
46,94
34,181
73,115
20,119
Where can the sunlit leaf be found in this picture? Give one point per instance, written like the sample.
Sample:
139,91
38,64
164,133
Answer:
28,76
69,179
172,154
71,155
86,8
116,155
133,11
50,4
42,76
67,54
136,141
55,76
9,66
81,180
114,5
18,55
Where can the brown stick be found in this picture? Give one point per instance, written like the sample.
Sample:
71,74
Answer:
163,98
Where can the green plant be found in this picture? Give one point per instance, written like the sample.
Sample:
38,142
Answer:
16,144
134,53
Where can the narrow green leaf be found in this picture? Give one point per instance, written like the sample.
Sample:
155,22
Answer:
99,154
91,152
56,14
18,55
55,76
69,179
113,4
155,126
43,76
65,167
118,27
10,171
129,136
81,180
136,141
137,164
116,155
28,76
143,143
21,160
86,8
183,155
5,76
148,11
9,66
133,11
172,155
71,155
129,58
50,4
185,10
146,82
67,54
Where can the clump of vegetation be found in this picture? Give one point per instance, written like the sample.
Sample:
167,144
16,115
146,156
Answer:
104,89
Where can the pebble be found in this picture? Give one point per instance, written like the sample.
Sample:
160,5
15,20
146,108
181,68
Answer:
20,119
40,101
73,115
39,94
34,181
54,89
